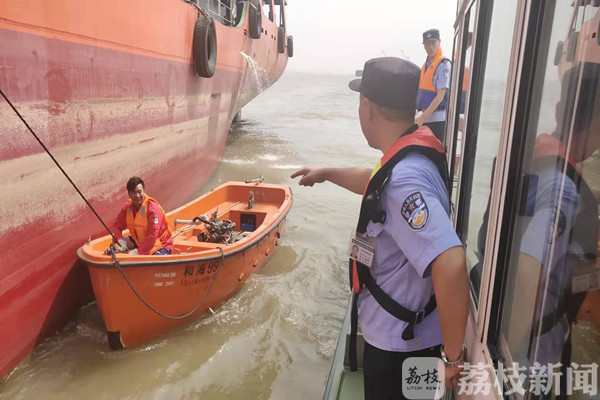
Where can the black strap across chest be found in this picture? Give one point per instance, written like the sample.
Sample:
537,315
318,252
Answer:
370,201
584,232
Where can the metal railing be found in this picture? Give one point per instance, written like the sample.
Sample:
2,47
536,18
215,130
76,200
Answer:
224,11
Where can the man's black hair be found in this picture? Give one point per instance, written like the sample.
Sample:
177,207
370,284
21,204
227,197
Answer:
133,182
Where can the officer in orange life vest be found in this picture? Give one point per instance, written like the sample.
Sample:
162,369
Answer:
146,221
432,98
418,262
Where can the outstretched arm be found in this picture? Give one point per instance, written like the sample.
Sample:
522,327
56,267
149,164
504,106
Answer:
353,179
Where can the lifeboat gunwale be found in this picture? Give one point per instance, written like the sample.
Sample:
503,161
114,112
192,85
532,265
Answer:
126,264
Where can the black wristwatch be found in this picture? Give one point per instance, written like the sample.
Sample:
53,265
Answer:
455,363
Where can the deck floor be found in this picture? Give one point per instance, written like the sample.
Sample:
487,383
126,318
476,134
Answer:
351,386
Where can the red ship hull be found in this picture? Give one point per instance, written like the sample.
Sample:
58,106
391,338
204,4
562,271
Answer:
111,89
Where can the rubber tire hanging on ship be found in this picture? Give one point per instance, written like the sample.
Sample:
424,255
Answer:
255,19
204,48
290,46
280,40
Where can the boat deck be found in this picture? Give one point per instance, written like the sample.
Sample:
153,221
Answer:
186,234
342,383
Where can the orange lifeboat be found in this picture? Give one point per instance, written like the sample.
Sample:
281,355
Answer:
142,296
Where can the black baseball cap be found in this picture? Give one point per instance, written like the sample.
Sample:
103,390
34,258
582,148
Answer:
389,82
431,34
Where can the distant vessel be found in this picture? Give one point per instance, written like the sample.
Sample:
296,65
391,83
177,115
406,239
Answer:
114,88
358,73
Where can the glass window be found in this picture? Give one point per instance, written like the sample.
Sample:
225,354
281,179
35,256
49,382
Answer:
482,137
279,13
268,9
203,4
227,10
237,11
552,278
213,6
467,50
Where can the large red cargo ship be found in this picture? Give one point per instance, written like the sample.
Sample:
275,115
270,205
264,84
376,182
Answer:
113,88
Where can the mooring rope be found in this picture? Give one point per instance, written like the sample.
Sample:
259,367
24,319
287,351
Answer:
112,245
57,164
117,264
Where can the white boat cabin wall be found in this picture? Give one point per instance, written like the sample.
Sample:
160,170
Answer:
523,138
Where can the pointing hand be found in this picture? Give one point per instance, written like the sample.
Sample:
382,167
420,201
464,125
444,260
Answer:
310,176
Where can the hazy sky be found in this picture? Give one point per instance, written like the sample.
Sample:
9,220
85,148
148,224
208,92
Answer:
340,35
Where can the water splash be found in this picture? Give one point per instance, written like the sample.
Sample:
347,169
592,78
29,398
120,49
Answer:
258,75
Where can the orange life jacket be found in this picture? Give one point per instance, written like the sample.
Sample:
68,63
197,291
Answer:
138,224
548,146
427,91
465,87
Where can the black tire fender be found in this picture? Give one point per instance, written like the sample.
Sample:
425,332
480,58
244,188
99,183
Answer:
205,46
290,46
280,40
255,19
114,340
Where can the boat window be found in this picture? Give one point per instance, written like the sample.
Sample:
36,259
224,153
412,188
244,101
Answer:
467,48
584,12
482,136
238,11
280,20
456,138
551,297
268,9
221,10
227,11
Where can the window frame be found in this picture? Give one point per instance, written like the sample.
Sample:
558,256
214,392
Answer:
530,43
518,155
478,333
271,14
472,115
453,119
499,177
535,43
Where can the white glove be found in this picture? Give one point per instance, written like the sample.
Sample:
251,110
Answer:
134,251
123,243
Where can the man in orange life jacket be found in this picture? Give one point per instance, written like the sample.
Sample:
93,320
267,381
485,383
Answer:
146,221
417,260
432,98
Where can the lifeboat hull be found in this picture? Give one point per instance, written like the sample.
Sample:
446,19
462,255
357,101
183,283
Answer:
198,274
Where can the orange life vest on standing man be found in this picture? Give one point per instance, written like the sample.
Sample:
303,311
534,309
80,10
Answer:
427,91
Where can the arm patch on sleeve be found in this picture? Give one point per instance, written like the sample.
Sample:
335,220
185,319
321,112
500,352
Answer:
560,229
415,211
